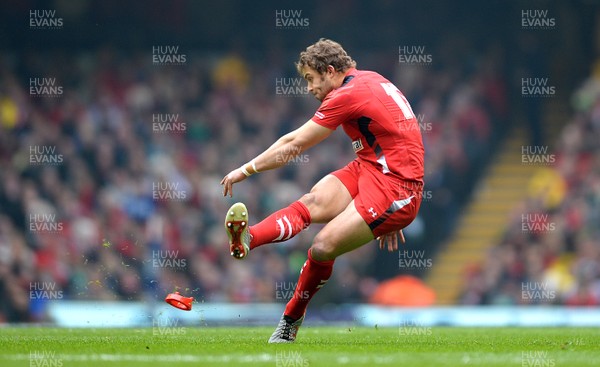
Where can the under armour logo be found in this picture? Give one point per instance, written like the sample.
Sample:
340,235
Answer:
373,212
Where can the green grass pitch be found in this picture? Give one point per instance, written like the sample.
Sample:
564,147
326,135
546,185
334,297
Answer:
316,346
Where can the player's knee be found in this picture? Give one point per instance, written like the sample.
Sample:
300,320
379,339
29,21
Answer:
313,204
321,250
308,199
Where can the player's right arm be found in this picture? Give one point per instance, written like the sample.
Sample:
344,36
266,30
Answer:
282,151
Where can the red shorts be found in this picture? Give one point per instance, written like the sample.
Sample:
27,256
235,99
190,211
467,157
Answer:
386,203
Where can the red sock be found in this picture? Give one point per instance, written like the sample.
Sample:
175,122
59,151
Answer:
313,276
281,225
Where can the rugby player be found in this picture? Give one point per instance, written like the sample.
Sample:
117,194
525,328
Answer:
374,196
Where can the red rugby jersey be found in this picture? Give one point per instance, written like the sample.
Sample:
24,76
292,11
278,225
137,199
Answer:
380,122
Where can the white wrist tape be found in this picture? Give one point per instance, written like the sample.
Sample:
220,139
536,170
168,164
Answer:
245,171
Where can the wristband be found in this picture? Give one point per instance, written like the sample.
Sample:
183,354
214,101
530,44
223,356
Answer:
249,168
245,171
254,166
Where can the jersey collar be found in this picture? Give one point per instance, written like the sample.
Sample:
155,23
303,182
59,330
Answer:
349,76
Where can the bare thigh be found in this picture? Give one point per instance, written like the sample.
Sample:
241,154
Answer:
327,199
344,233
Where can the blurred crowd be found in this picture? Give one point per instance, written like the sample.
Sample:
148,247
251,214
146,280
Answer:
550,252
109,185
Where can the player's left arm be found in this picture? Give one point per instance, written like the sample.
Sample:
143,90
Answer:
282,151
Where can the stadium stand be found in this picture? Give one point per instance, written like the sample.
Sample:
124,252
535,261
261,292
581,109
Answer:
552,241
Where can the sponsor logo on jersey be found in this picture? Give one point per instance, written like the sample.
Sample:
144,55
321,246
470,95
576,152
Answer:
357,145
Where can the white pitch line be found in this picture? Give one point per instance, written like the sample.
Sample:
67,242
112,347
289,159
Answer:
457,358
186,358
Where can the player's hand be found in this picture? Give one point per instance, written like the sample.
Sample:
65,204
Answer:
391,239
232,177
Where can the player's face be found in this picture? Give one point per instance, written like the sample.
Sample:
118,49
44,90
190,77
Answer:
319,85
